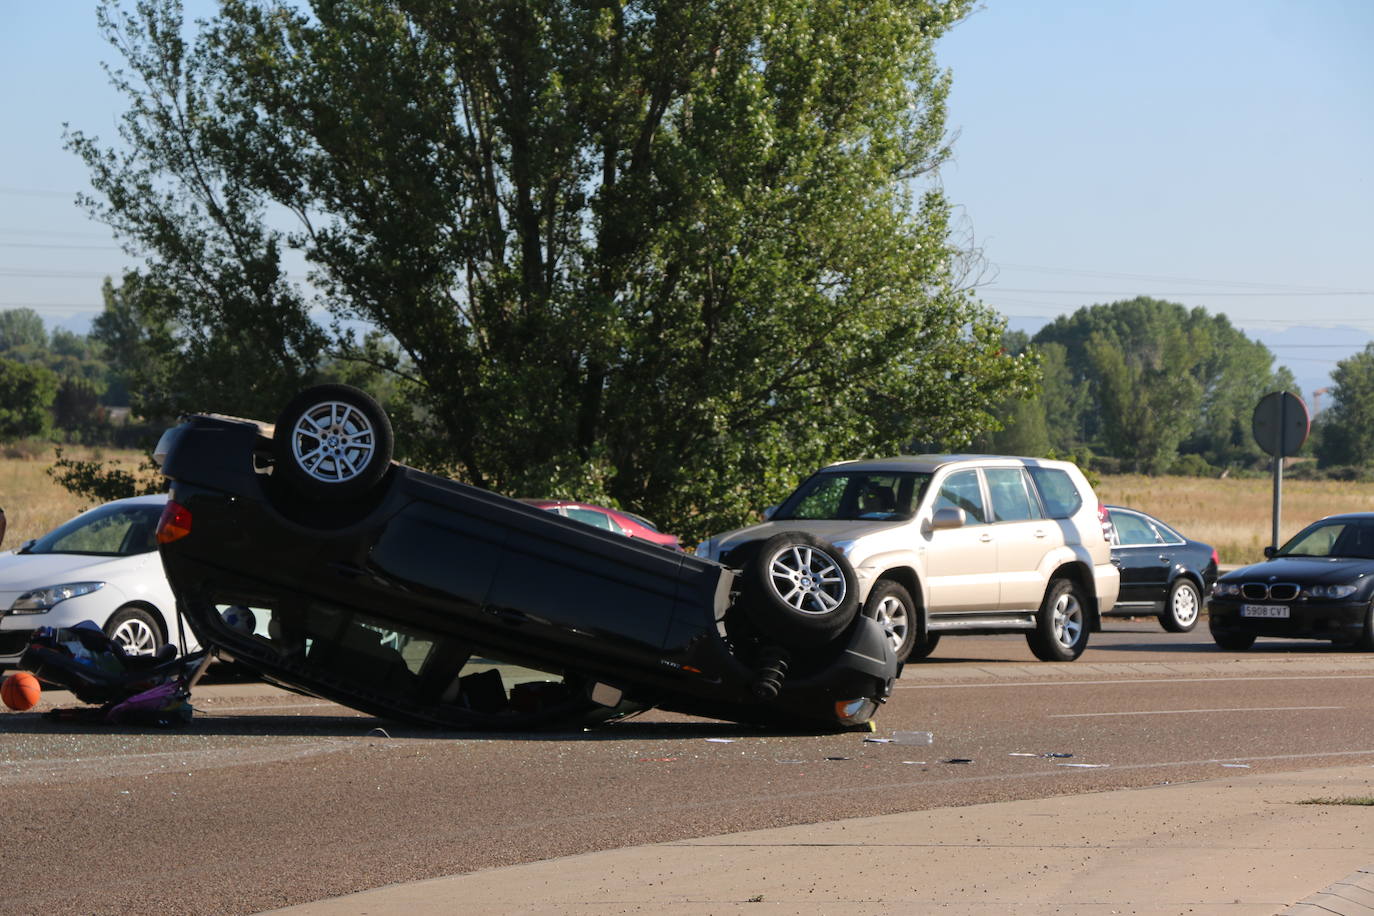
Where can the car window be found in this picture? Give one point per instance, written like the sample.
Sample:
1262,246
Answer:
960,491
1316,541
1010,496
1057,491
591,517
868,495
1132,530
1355,541
109,530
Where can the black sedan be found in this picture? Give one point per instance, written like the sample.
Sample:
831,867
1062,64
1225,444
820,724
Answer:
303,551
1162,572
1319,585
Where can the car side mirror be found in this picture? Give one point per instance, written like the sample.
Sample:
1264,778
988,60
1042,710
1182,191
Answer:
27,545
768,513
948,517
1270,552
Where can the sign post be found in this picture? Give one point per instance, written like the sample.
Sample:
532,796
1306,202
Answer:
1280,424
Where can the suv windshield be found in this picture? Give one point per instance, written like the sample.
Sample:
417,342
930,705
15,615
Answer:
854,495
110,530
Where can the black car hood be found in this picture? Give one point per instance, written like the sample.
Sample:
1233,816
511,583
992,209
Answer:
1315,570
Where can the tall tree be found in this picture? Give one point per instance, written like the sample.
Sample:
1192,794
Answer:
1143,378
673,255
26,396
1348,424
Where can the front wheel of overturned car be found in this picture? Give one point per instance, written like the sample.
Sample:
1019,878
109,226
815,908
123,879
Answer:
333,442
1061,626
1181,608
799,591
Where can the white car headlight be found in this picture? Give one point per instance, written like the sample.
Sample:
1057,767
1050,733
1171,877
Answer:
42,600
1330,591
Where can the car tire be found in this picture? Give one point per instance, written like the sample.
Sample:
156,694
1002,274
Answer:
1183,606
922,648
135,630
1365,641
890,604
799,590
1061,626
1231,641
333,442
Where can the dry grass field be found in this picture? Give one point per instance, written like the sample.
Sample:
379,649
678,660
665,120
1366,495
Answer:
1234,515
33,502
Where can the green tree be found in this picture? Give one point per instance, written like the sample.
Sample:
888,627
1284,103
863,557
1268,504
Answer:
1146,379
22,330
1347,426
672,255
26,397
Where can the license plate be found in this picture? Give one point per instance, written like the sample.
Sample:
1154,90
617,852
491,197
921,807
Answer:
1263,610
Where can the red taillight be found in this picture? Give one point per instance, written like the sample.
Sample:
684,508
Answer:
1105,518
174,524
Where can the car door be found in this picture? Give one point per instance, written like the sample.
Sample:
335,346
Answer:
961,563
1142,556
1023,535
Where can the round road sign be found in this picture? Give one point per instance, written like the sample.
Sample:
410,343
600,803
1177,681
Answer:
1281,423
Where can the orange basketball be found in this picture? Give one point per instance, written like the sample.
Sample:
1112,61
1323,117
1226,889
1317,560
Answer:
20,691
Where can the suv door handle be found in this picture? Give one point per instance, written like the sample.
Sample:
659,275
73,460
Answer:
985,538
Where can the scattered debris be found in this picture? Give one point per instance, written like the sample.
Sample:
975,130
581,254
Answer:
959,760
1237,766
839,758
877,741
721,740
1058,755
913,738
1086,766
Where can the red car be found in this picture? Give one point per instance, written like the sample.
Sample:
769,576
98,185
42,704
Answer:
626,523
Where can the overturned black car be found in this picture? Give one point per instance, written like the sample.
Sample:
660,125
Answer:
302,551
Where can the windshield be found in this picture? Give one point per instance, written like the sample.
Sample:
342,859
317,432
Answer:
1335,538
854,495
114,530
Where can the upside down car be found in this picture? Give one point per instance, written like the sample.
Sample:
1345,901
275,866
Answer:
302,550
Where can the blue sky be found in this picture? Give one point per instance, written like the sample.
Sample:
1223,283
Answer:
1215,153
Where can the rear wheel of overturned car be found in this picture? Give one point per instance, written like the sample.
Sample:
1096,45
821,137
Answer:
1181,608
1061,626
890,604
135,630
799,590
333,442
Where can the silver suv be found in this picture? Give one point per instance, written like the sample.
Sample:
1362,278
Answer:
957,543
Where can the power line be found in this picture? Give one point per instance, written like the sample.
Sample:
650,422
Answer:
1171,279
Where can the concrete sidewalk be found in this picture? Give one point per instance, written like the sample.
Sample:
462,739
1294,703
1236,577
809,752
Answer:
1240,845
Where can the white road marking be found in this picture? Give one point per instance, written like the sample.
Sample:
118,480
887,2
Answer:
1127,679
1184,712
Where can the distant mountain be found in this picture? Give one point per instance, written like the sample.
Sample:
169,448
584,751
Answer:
1309,353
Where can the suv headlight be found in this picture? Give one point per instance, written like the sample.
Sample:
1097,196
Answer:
42,600
1329,591
1225,589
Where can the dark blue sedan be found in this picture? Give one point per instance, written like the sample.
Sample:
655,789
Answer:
1319,585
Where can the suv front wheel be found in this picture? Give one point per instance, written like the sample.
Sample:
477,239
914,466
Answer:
1061,627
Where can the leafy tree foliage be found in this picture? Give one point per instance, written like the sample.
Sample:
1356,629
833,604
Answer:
1347,427
1145,378
26,395
671,255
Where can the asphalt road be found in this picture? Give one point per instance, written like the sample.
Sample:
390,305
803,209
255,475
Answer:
269,798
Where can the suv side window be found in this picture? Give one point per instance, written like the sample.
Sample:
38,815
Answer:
1012,500
1060,496
961,491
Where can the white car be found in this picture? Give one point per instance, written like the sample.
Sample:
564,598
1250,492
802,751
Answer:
101,566
952,544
